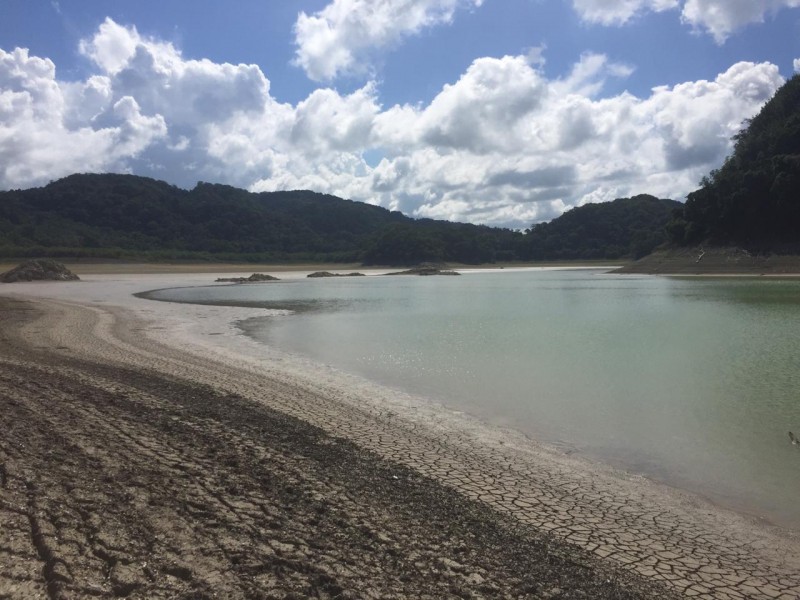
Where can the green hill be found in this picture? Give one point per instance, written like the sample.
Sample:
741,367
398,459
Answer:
753,200
624,228
125,216
137,218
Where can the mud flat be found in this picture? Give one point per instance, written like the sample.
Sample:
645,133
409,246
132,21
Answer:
150,451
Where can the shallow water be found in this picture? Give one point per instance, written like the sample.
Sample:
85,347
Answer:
693,382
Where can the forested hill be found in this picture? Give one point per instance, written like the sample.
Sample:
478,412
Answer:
131,217
753,200
127,216
624,228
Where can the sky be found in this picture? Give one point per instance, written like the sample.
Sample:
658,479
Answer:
500,112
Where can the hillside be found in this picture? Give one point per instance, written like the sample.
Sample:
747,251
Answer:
125,216
752,201
624,228
135,218
713,260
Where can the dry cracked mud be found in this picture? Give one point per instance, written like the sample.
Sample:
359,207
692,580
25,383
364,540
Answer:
118,482
128,468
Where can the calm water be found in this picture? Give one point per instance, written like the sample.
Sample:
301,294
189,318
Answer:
691,382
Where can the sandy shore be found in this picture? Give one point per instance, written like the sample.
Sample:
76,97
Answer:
151,451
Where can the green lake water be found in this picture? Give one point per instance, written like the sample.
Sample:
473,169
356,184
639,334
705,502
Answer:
692,382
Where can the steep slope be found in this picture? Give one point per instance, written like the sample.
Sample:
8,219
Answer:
753,200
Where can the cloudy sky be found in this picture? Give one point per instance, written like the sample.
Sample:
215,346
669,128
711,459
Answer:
504,112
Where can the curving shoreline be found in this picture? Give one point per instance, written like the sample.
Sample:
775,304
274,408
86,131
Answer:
616,522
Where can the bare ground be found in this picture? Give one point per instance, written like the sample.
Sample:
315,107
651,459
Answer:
715,260
130,482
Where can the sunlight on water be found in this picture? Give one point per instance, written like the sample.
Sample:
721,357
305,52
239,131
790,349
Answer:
693,382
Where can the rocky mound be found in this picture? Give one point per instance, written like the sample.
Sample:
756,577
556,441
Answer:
254,278
39,270
427,269
715,260
329,274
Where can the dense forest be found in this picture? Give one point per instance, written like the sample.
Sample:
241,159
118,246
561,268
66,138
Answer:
753,200
137,218
624,228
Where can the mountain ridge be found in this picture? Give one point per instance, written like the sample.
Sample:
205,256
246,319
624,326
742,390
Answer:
116,216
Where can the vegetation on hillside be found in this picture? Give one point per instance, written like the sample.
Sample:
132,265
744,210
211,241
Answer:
753,200
624,228
130,217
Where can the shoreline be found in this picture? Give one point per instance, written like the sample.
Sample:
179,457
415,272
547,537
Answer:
680,262
626,522
101,267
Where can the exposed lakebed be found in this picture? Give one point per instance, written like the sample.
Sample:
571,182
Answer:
689,381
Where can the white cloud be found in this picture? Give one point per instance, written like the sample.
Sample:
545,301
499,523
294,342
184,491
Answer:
723,17
477,113
617,12
720,18
796,65
37,140
207,107
343,36
562,147
326,121
114,45
697,119
503,144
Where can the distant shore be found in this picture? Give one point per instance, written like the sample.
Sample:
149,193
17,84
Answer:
689,261
149,451
101,267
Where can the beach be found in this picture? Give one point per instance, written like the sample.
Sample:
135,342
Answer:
153,451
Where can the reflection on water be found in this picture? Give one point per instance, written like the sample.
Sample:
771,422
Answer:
690,381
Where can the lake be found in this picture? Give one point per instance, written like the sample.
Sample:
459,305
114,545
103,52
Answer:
691,382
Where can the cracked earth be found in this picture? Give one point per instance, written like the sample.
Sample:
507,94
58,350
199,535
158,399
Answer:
130,467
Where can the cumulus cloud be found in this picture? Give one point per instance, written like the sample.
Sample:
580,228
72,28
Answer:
343,36
198,102
504,144
720,18
723,17
37,140
326,121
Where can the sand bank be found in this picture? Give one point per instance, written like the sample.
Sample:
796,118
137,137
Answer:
185,398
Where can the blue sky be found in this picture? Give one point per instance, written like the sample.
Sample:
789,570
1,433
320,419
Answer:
504,112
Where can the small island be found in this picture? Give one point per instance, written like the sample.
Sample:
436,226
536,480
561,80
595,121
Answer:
254,278
322,274
426,270
38,270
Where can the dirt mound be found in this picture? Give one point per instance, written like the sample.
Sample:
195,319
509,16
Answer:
426,269
714,260
317,274
254,278
39,270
